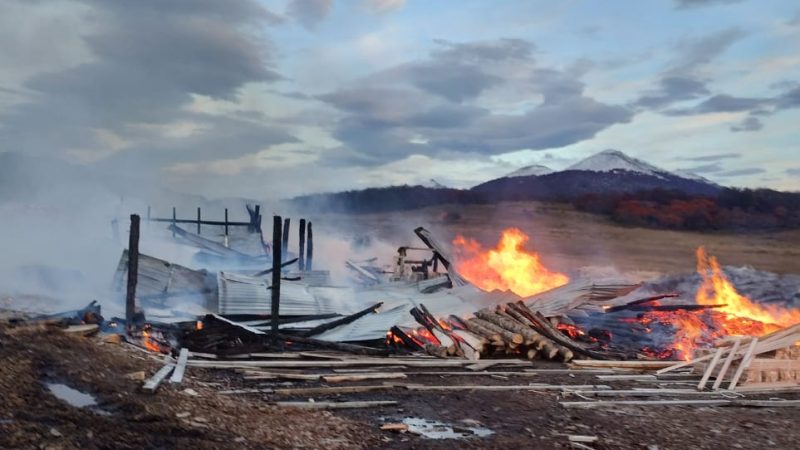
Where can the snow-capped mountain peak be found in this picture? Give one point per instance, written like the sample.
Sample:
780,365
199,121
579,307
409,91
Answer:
535,169
611,160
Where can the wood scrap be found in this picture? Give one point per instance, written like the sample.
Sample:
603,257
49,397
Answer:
180,367
152,384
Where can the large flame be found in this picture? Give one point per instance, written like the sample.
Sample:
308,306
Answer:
507,267
733,314
716,289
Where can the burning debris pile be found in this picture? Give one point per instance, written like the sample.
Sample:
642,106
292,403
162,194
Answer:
483,304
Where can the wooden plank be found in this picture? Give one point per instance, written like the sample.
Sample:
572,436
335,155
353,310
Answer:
726,364
336,405
644,393
744,364
330,364
626,377
368,369
710,369
523,387
180,368
683,364
334,390
637,364
152,384
262,375
85,330
613,403
362,377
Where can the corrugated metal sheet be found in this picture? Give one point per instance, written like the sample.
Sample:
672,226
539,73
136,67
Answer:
161,280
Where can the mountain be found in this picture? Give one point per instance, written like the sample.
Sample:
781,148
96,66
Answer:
433,184
614,160
535,169
610,171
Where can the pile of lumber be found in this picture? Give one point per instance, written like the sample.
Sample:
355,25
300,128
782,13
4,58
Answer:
769,362
512,329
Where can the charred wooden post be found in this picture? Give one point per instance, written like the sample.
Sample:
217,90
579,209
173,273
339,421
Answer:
302,252
198,220
310,248
174,221
285,242
276,273
226,222
133,271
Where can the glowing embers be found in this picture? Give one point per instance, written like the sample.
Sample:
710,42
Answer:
509,266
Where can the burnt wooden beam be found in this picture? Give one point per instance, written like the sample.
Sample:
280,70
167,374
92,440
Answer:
133,270
310,248
277,235
285,248
198,220
226,221
302,252
264,272
339,322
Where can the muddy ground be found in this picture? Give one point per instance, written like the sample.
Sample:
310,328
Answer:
31,417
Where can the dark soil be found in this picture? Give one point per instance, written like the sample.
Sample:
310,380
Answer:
31,417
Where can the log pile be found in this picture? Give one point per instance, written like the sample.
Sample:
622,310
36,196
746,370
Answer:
512,329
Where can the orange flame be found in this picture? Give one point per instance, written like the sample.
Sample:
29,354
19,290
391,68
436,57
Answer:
149,343
717,289
507,267
738,315
199,325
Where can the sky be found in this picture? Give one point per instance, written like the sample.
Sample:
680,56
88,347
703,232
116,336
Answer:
280,98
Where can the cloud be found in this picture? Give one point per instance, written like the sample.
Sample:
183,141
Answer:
309,13
383,6
706,168
687,4
681,80
793,172
697,52
748,124
453,103
671,89
721,103
794,21
150,60
714,157
740,172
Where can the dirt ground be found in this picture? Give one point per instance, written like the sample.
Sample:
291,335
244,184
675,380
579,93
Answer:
568,239
31,417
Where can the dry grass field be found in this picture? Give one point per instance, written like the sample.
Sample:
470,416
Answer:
568,239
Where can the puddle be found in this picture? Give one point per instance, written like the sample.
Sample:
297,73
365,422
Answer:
75,397
433,429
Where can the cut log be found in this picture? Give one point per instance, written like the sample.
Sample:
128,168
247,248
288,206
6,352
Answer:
478,329
547,348
506,335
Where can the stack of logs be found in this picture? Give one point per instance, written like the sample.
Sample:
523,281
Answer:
512,329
